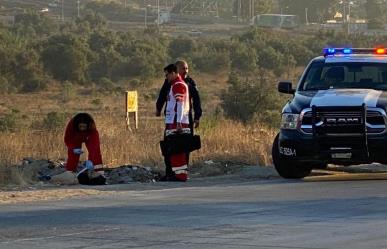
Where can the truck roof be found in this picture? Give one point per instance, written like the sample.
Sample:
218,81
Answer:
372,58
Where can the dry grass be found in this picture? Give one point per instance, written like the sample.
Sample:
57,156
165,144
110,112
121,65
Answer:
227,140
221,139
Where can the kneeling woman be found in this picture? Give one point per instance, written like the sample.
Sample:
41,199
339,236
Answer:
82,129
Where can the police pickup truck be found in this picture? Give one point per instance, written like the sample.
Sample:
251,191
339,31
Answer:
337,114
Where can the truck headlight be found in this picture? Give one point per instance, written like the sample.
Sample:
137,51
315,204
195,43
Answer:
289,121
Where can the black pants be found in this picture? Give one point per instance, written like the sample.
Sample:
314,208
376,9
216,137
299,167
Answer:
168,167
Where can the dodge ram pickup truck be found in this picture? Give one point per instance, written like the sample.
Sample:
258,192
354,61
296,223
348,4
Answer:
337,114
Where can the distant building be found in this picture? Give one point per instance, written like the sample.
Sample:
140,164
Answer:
194,33
358,25
164,17
276,21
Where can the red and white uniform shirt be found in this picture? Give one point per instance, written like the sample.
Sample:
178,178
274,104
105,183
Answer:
177,109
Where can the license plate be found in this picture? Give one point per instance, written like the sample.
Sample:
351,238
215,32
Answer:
341,155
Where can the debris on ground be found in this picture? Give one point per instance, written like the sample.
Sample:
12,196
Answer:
65,178
37,172
30,172
130,174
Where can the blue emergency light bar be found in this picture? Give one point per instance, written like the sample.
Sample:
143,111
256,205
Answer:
349,51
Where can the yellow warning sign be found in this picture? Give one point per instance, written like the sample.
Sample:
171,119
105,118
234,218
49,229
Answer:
131,107
131,101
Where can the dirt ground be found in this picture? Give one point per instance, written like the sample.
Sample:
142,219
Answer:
35,194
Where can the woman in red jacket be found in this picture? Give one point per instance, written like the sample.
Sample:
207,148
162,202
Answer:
82,129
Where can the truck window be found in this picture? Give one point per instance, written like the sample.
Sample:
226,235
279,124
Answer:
322,76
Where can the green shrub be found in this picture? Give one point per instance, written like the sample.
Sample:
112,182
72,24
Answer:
248,98
4,85
151,94
67,92
243,58
11,121
181,47
96,102
270,117
106,84
135,83
54,121
211,61
34,85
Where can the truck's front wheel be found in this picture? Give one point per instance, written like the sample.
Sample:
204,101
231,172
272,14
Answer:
287,168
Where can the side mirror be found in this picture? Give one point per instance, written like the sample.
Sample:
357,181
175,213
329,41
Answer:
285,87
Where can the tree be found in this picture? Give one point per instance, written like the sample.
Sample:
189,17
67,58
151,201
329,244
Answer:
66,57
33,23
181,47
243,58
102,39
211,55
29,71
94,20
105,64
250,97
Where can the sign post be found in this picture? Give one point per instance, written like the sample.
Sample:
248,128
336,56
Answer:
131,107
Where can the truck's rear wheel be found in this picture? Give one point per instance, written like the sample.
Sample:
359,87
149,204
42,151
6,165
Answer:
287,168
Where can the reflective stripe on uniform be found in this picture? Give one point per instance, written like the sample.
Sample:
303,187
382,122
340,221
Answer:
180,168
99,166
174,131
178,172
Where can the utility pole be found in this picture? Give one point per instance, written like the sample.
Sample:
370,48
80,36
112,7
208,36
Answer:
217,10
344,14
249,15
146,13
158,13
349,17
306,16
252,9
239,10
62,15
78,7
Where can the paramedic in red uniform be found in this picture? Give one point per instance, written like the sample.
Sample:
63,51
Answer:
177,118
195,105
82,129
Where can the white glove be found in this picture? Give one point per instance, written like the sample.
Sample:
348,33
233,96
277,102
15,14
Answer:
77,151
89,165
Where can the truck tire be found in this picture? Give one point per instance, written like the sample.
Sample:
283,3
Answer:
286,168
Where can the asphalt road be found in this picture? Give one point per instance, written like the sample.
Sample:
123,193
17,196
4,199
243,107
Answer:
211,213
